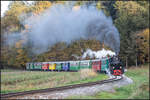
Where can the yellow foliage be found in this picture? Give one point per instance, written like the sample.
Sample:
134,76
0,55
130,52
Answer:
131,7
143,38
19,51
41,6
17,8
143,43
18,44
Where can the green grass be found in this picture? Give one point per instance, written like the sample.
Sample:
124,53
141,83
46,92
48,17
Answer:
9,70
16,81
138,90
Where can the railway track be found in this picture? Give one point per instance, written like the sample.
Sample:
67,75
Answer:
8,95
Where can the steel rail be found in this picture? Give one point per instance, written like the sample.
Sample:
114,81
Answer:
7,95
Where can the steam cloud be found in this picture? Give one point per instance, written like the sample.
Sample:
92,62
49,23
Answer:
99,54
63,24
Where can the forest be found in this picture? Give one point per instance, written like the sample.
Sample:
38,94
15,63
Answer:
131,18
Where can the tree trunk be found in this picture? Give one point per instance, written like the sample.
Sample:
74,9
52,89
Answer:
126,62
136,61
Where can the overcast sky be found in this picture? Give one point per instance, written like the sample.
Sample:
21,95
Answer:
4,6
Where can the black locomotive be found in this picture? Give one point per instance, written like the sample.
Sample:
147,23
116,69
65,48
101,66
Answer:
116,66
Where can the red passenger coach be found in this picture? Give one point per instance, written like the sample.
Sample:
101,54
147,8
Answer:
96,65
45,66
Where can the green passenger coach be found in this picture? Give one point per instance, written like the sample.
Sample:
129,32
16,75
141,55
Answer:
27,66
85,64
58,66
38,66
74,65
104,64
31,66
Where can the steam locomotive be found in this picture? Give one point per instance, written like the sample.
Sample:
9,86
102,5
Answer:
112,64
116,66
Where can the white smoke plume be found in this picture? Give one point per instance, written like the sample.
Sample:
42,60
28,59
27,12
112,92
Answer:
61,23
97,54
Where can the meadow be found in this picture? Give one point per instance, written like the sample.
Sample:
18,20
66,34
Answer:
138,90
16,80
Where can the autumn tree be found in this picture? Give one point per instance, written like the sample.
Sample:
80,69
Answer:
130,17
142,40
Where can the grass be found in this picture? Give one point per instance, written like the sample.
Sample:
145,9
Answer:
16,81
138,90
9,70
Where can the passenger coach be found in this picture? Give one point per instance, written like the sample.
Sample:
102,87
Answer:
98,65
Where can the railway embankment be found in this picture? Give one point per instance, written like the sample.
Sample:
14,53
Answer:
82,91
134,85
18,81
139,89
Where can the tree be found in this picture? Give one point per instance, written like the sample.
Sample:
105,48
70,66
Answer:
130,18
142,40
40,6
109,9
11,21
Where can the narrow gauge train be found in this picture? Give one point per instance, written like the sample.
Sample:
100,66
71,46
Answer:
112,64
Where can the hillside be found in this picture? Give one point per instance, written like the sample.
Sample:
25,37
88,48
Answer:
41,32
